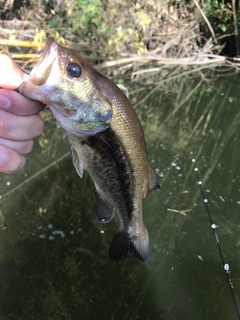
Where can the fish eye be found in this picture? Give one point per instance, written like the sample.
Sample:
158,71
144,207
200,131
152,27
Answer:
74,70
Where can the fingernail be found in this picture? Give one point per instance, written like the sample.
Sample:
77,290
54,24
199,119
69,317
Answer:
5,102
4,157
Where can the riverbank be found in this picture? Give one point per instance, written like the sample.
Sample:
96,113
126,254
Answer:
132,36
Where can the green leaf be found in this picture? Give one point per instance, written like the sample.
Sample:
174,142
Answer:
223,27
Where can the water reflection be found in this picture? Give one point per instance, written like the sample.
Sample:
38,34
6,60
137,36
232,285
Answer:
54,254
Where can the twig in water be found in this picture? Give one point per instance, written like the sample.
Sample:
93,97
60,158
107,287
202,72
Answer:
183,212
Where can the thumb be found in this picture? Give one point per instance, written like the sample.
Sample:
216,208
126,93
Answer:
11,76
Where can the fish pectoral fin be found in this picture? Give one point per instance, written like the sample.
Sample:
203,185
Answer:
124,246
103,211
153,181
77,162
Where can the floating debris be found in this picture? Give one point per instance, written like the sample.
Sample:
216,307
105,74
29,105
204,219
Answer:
221,198
61,233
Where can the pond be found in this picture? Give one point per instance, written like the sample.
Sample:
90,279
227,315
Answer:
54,254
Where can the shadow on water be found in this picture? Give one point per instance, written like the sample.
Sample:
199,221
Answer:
54,255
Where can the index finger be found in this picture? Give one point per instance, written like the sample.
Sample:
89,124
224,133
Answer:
13,102
11,75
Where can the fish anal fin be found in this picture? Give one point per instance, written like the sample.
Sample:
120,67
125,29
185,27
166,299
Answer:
124,246
153,181
103,211
77,162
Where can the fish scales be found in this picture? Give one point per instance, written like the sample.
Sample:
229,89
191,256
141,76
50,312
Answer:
106,139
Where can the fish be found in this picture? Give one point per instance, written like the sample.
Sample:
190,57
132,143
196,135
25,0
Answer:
106,139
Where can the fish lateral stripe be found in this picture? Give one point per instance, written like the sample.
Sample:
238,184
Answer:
122,167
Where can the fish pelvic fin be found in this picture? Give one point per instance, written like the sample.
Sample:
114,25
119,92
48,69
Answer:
124,246
103,211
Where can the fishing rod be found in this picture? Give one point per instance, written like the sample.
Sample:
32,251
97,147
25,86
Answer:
214,226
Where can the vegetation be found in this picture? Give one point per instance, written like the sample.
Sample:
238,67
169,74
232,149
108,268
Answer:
173,32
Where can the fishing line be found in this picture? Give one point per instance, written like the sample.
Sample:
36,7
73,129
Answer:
214,226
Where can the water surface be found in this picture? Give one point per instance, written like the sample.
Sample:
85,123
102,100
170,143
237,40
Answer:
54,254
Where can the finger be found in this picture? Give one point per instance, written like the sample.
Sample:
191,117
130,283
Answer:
11,75
10,161
22,147
13,127
15,103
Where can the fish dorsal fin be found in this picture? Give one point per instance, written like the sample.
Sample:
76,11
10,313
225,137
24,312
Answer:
77,162
104,212
153,181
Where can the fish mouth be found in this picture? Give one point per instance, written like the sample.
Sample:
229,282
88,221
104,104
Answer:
50,45
42,69
35,86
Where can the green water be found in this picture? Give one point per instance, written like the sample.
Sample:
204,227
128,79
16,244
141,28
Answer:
54,254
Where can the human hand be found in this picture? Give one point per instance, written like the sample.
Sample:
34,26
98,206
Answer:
19,119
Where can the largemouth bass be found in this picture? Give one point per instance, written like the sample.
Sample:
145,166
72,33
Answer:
106,140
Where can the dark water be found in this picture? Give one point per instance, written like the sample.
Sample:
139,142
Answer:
54,255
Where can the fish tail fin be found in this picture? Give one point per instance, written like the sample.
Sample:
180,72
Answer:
124,246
